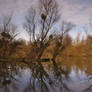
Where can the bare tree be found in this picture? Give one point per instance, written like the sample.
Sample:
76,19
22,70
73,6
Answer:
88,32
78,37
8,29
67,41
89,39
45,17
59,39
7,33
30,24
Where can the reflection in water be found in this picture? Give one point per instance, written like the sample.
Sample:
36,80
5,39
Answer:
78,80
21,78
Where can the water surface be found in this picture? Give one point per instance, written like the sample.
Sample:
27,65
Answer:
20,77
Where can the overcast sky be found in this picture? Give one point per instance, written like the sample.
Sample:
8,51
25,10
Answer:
76,11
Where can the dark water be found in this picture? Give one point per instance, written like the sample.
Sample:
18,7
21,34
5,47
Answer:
23,78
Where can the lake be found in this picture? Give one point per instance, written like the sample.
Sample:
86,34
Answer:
71,76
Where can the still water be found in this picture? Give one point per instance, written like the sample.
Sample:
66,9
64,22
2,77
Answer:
23,78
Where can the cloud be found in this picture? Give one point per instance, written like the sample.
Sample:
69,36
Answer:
77,11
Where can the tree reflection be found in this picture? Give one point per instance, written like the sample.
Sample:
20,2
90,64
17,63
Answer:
45,81
8,73
41,79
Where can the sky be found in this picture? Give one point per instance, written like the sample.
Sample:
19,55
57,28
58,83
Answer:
77,11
